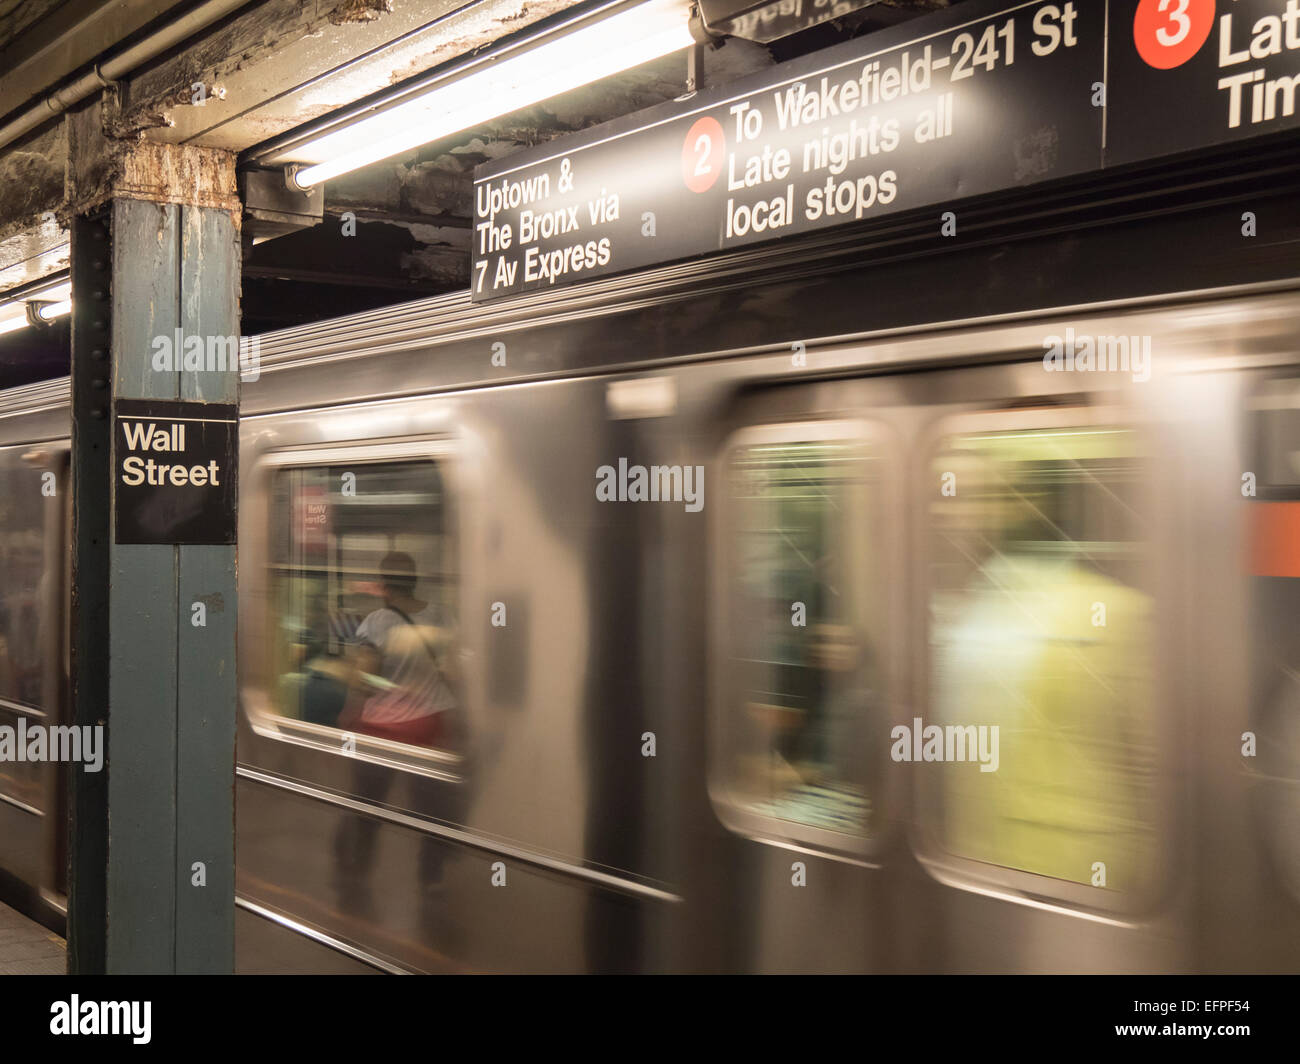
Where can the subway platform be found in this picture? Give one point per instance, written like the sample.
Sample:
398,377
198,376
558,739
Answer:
27,948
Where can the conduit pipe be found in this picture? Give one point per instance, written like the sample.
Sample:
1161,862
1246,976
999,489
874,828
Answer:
104,74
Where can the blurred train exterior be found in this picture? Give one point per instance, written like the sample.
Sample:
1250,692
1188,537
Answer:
825,386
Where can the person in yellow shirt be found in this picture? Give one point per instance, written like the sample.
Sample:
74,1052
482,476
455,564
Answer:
1043,645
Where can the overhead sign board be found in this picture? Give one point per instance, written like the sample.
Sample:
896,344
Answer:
175,469
982,97
1191,74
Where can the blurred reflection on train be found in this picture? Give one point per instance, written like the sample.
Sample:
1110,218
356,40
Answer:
490,722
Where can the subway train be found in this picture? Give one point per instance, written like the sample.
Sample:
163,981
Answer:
868,601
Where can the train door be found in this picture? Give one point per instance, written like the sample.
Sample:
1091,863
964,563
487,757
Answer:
33,664
806,662
939,728
1047,746
1251,873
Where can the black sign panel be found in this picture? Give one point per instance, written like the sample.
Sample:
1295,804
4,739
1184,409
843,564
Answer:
981,97
175,469
1183,75
985,96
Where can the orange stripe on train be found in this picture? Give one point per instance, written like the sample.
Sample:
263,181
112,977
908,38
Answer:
1275,539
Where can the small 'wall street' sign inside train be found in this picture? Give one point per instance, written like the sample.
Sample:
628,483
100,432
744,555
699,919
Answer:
982,97
175,469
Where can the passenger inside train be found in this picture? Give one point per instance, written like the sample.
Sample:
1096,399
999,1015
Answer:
368,629
404,695
814,676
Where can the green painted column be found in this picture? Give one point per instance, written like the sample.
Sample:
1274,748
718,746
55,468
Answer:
151,884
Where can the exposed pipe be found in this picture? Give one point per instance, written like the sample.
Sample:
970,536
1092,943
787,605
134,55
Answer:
106,73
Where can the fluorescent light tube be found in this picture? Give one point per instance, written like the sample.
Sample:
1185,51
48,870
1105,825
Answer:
620,42
55,310
13,316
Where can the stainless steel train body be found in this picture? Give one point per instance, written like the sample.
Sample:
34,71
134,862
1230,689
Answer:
589,819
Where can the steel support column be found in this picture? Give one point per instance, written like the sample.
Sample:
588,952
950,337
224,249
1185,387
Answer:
151,885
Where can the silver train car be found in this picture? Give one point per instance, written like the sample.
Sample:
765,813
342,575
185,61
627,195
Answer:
856,604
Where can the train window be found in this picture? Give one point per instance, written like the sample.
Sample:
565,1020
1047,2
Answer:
1040,652
363,594
23,581
806,624
24,613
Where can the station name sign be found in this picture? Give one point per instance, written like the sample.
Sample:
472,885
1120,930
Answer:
175,470
982,97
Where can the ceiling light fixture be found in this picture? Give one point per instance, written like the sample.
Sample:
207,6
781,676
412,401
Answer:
36,305
48,311
612,39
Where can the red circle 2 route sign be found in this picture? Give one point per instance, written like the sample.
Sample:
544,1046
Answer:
1169,32
702,154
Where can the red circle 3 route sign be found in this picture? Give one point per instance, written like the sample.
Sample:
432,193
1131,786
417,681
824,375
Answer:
1169,32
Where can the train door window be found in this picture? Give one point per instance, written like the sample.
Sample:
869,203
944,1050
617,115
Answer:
1273,766
805,624
363,599
1040,651
25,597
22,580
